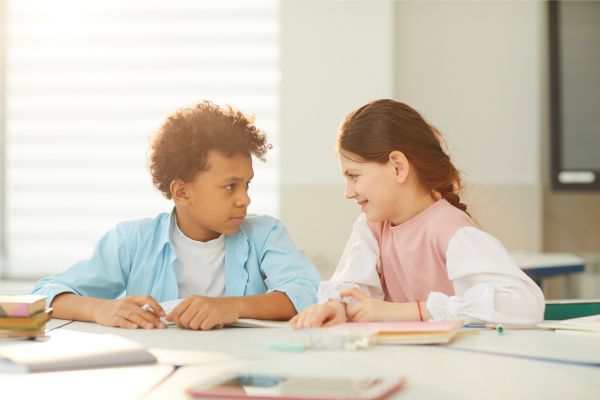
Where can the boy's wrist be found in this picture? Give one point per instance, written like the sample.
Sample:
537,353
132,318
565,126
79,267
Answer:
236,305
96,308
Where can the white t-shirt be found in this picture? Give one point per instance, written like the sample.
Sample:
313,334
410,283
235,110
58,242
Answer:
200,266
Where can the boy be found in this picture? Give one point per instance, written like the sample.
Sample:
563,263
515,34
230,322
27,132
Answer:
224,264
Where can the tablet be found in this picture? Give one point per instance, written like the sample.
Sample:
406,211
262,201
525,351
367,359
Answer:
298,388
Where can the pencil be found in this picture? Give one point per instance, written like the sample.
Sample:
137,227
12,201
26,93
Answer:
498,327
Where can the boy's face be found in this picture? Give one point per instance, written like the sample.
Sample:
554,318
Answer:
216,201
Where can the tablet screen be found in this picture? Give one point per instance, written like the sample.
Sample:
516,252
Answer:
299,387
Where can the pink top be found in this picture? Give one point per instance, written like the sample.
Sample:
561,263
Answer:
441,257
413,254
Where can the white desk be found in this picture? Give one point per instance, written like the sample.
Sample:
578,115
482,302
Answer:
477,366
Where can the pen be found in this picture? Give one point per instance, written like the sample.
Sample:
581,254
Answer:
498,327
146,307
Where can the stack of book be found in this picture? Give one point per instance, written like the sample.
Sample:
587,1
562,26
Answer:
23,316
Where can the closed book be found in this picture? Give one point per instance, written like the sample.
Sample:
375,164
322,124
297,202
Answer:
406,332
21,305
36,321
20,333
64,350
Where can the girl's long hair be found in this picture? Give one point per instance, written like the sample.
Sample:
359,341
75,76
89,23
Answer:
376,129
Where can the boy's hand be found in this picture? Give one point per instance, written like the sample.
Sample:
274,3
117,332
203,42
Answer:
367,309
320,315
199,312
129,313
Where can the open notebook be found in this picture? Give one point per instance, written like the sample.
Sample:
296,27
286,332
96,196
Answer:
63,349
168,306
427,332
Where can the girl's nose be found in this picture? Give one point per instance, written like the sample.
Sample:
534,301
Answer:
350,193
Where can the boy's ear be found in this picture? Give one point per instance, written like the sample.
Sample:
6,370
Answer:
400,164
179,192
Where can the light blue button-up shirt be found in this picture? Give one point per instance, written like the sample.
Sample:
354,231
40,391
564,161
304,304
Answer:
136,258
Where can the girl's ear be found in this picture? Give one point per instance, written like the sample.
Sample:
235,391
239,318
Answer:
400,164
179,192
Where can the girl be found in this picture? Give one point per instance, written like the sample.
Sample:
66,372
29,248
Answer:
414,252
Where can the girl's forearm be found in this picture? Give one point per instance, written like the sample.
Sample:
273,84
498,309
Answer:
410,312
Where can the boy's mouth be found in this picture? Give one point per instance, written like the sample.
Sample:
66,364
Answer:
363,203
238,219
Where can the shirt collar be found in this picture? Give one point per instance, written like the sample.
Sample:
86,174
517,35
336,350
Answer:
165,229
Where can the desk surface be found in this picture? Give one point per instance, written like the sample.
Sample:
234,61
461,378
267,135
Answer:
518,364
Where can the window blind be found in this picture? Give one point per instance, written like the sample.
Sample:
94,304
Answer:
88,83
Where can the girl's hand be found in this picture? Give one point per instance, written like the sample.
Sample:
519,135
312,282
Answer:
199,312
128,313
320,315
367,309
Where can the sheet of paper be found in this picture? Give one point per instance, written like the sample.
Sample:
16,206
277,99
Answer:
590,323
258,323
168,306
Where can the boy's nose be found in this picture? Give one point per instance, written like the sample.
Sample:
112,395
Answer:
243,200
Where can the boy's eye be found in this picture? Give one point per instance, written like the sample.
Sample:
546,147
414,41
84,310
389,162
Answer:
233,186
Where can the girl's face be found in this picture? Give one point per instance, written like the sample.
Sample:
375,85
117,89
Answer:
377,188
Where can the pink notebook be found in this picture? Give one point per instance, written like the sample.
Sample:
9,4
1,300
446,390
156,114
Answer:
409,332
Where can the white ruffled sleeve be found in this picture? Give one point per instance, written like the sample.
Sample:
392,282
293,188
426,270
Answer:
488,285
358,267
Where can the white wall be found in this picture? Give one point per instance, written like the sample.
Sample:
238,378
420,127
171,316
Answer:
474,69
336,56
477,70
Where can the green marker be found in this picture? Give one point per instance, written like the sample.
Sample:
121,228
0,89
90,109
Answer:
500,329
286,346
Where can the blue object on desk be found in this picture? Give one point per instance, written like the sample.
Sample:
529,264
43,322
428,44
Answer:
542,265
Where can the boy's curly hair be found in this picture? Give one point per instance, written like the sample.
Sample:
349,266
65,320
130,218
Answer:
180,148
